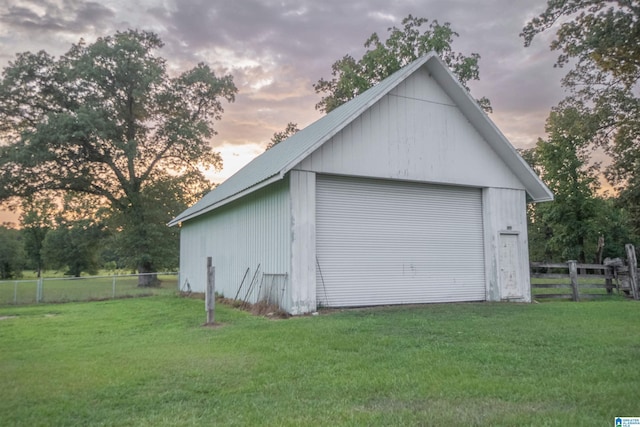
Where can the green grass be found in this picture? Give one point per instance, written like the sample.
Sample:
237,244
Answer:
149,362
66,289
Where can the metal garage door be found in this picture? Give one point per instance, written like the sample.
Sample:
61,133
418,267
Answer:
391,242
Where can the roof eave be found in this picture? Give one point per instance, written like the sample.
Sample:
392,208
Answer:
534,186
180,219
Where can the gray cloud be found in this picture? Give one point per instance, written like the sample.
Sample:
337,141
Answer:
276,49
50,16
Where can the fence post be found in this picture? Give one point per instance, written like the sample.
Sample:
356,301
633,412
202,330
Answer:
573,275
210,296
15,292
113,288
39,290
633,269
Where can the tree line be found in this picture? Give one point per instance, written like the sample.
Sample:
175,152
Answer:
102,146
599,41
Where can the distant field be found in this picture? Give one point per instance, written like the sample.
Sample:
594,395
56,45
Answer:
64,289
149,362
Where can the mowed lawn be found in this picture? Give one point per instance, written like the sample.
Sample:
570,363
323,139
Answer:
149,362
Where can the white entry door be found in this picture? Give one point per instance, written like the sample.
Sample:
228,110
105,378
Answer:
510,283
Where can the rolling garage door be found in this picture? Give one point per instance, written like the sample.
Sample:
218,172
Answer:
391,242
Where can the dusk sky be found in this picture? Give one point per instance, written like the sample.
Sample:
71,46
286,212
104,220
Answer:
276,50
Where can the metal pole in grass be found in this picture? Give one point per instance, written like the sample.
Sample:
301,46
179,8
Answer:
39,290
113,293
15,292
573,274
210,297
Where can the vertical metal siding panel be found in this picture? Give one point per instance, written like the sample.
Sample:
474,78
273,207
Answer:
302,295
385,242
248,232
505,211
418,134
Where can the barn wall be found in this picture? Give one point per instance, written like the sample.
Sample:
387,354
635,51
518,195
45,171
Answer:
416,133
504,215
251,232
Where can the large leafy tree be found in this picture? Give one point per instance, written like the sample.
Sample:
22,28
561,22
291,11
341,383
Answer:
416,38
600,40
159,209
107,120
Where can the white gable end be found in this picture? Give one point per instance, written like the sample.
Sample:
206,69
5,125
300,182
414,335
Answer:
417,133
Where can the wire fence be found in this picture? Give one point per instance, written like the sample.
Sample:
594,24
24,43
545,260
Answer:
86,288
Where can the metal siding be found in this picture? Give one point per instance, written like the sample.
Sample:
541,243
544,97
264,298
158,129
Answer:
303,241
241,235
385,242
414,133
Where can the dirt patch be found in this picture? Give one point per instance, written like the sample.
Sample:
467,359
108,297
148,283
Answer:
261,308
193,295
215,325
8,317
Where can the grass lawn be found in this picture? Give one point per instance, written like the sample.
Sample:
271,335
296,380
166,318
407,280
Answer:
148,362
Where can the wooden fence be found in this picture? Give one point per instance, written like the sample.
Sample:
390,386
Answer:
583,281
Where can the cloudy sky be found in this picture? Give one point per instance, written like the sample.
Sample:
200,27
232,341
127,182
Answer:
276,50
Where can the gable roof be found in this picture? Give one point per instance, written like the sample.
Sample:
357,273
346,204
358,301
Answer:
273,164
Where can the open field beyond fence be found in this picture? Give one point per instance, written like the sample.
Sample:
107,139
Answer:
65,289
149,362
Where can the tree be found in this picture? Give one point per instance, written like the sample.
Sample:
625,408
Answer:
571,225
106,120
185,190
37,220
563,228
77,235
601,39
351,77
615,224
73,245
278,137
11,253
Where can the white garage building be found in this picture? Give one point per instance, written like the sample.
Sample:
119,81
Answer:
406,194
